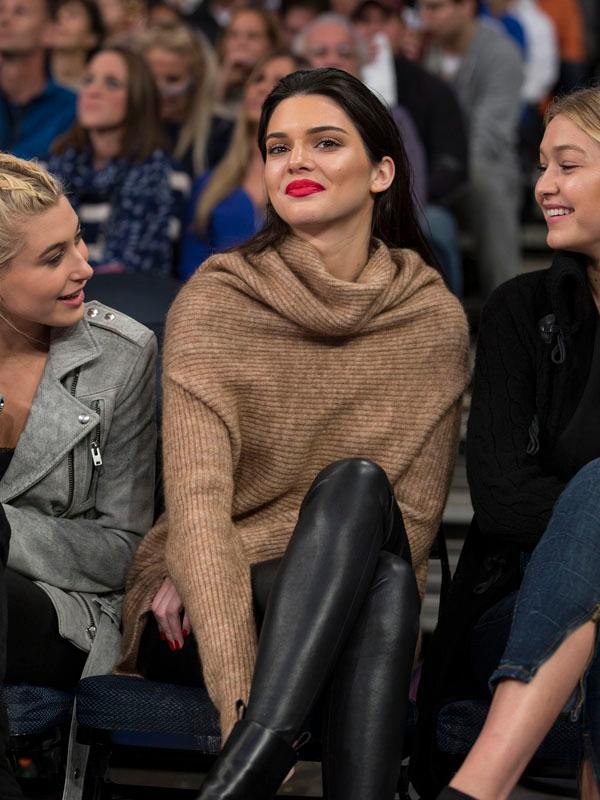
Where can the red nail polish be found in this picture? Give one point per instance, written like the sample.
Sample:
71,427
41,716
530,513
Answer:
185,632
179,645
172,645
163,636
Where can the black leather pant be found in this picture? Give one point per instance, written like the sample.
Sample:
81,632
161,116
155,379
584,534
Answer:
338,618
341,625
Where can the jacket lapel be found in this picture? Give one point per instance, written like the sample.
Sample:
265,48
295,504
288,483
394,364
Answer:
53,427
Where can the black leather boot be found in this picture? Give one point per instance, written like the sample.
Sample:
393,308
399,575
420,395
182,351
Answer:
363,731
252,765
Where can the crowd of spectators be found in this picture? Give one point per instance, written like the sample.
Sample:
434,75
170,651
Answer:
147,111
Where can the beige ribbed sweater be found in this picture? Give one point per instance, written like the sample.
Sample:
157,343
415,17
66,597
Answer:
273,369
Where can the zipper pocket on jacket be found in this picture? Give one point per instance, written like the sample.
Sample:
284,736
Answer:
91,628
97,437
71,457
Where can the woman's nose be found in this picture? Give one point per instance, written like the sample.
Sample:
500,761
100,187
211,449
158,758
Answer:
546,183
298,157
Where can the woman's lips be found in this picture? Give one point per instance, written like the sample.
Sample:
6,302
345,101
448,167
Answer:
303,188
74,300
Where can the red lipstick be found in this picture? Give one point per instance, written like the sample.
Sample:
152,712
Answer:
303,188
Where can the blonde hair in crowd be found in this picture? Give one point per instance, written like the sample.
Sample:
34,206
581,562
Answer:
581,107
195,49
26,189
230,171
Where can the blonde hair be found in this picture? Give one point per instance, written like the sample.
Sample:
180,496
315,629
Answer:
26,189
581,107
229,173
194,48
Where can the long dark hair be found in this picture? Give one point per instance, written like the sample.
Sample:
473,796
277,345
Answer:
394,216
142,128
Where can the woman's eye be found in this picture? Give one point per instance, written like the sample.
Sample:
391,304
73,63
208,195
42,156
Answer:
568,167
56,259
276,149
541,167
327,144
113,83
78,236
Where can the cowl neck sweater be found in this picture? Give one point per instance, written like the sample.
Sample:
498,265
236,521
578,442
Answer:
273,368
294,282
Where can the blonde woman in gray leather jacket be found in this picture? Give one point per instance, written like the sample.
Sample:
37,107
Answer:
77,444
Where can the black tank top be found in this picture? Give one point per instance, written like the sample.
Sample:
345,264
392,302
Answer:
6,454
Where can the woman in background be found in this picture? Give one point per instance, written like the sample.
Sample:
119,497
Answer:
114,165
75,33
251,34
227,205
184,67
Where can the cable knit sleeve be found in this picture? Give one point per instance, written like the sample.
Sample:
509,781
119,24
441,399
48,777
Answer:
512,495
205,556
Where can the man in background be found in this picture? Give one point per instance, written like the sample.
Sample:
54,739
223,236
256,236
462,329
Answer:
34,110
485,69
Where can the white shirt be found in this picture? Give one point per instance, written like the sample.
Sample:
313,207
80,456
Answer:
543,61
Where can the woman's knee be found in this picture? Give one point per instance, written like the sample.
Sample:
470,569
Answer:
580,496
354,475
573,532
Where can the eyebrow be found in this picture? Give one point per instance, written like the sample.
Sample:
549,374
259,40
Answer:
562,147
56,245
318,129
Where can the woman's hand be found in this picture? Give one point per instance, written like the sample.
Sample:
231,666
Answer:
167,607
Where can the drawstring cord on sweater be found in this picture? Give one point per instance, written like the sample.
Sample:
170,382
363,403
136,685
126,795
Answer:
548,329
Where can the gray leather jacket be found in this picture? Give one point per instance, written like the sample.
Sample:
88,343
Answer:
79,490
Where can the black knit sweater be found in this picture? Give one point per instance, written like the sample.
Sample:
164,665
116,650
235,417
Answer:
533,360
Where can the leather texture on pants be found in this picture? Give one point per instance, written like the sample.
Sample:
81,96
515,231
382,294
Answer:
340,626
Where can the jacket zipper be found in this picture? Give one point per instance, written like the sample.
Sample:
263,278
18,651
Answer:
95,446
91,628
71,461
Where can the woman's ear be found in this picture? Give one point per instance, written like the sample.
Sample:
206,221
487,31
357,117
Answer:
383,175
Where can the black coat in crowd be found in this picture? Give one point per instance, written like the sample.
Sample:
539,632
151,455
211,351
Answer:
533,360
434,107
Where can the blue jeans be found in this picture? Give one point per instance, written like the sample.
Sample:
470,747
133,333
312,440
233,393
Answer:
559,593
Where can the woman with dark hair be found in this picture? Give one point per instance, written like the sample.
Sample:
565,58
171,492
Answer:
76,32
251,34
324,346
115,168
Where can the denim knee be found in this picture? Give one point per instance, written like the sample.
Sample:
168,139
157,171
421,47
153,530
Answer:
561,586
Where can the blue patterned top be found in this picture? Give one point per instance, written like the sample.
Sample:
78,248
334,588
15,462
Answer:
129,212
